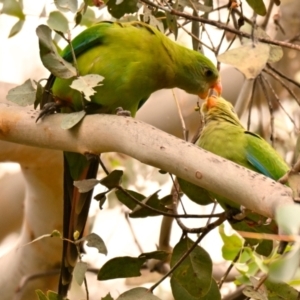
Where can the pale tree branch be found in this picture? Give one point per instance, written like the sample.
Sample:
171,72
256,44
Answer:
42,172
110,133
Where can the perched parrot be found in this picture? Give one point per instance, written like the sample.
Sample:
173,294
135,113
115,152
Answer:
224,135
135,60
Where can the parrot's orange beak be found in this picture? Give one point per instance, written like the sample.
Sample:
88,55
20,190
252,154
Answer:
216,86
211,102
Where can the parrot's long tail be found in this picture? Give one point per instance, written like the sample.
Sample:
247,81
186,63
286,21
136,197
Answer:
76,209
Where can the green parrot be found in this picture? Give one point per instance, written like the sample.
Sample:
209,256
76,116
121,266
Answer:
224,135
135,60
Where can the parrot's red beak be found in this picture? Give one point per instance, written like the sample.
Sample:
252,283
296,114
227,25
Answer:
216,86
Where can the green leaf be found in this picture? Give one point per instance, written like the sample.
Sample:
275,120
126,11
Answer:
16,28
88,18
152,201
286,266
72,119
249,59
127,200
94,240
195,193
58,22
23,94
275,53
213,293
39,93
85,185
113,179
160,255
54,296
50,295
85,84
49,56
232,244
287,218
138,293
41,295
66,5
258,6
172,24
118,8
253,294
194,275
281,290
79,272
13,8
155,23
121,267
108,297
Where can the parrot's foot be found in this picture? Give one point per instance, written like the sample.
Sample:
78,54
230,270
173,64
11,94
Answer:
48,109
236,215
281,247
91,156
242,215
121,112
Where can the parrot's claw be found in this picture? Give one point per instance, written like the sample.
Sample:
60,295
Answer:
48,109
242,215
91,156
121,112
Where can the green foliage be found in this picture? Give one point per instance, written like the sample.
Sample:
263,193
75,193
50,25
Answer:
50,57
258,6
58,22
95,241
194,275
195,193
49,296
79,272
131,268
14,8
126,266
137,294
118,8
23,95
66,5
107,297
139,211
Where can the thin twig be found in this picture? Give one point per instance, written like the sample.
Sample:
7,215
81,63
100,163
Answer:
184,130
278,101
268,15
162,212
251,104
223,35
194,37
133,233
283,76
222,26
229,268
276,77
262,84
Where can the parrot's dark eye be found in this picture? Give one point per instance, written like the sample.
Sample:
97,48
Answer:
208,73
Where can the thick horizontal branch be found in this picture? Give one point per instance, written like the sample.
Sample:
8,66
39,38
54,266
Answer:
111,133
